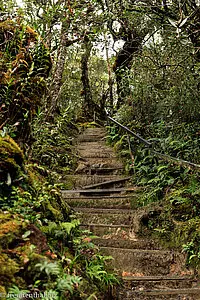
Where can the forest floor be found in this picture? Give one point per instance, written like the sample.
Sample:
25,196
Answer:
103,197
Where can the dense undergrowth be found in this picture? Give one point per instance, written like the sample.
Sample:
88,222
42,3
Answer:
43,252
170,191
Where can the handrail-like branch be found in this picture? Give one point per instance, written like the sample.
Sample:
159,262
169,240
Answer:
150,146
175,159
130,131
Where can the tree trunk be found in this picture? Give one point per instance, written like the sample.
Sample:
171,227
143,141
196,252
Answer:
55,88
110,80
57,77
88,107
122,65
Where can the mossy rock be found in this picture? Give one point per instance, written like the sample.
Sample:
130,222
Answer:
56,208
8,268
2,293
21,246
30,272
11,230
11,156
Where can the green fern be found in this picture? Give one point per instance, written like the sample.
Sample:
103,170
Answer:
50,295
49,268
67,283
16,293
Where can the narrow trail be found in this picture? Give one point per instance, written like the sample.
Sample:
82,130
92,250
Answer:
102,197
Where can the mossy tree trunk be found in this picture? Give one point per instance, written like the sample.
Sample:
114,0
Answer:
90,108
88,105
122,66
55,89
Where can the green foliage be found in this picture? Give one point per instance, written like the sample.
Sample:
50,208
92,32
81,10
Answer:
193,253
95,270
24,64
16,293
49,268
53,146
67,282
172,190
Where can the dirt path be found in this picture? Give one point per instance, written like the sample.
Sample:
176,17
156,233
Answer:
102,197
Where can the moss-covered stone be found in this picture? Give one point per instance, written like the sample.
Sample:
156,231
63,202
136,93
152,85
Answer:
11,229
56,209
11,156
2,292
8,268
22,245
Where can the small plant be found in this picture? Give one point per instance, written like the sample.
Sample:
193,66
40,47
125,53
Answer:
193,254
16,293
96,271
68,282
49,268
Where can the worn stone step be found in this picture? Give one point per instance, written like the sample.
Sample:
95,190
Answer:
109,211
104,230
159,282
89,152
105,216
165,294
104,162
94,146
96,130
99,165
140,261
79,181
98,192
104,170
94,169
94,149
107,183
123,202
91,137
125,241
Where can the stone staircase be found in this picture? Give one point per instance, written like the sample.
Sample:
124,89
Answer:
102,198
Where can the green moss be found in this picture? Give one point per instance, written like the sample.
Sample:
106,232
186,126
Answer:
11,160
55,213
10,229
8,268
2,292
30,271
56,209
18,89
10,153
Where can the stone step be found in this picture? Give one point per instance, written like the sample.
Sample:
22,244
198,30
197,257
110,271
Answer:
105,216
95,130
95,153
159,282
166,294
109,211
97,164
140,261
79,181
104,162
98,192
92,170
86,168
91,137
125,241
123,202
107,183
94,146
104,230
